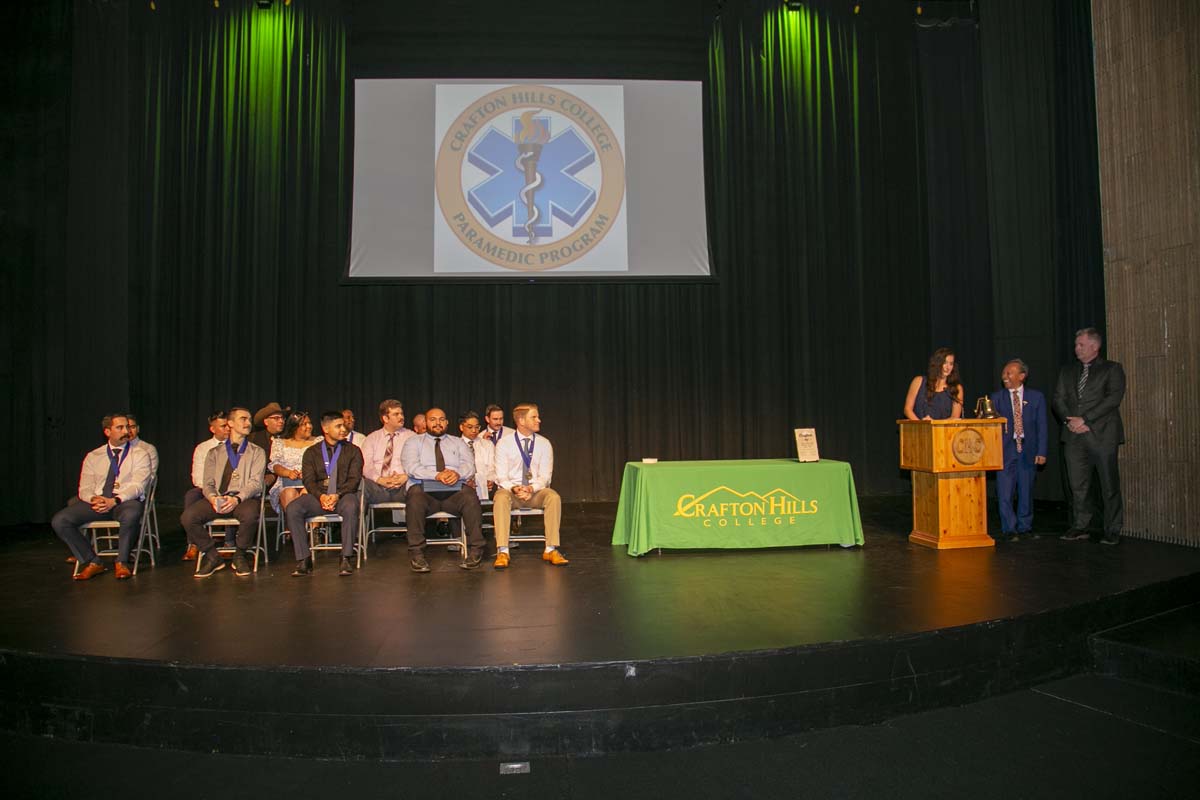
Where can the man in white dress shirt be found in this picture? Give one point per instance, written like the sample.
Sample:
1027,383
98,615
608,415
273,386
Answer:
382,466
496,431
112,486
218,426
484,481
524,468
438,466
151,450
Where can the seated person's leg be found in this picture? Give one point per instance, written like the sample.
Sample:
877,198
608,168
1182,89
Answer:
551,505
288,495
298,510
347,507
502,505
246,513
193,519
418,507
66,526
129,514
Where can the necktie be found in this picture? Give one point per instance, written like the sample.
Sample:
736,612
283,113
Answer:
109,481
1082,380
387,453
226,477
495,437
526,474
438,459
471,444
1018,420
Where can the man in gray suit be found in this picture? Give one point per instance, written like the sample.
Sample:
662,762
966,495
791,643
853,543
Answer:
1087,400
233,484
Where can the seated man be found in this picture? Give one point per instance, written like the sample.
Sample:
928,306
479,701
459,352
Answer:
219,428
112,485
496,431
352,436
484,481
233,484
438,466
419,424
268,423
383,470
524,467
331,471
151,450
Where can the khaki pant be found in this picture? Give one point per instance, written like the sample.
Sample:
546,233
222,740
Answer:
546,499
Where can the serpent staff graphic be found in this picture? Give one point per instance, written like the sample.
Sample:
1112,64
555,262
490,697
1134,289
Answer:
530,139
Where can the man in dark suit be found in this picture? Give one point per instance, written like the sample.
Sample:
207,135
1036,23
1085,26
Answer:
1087,400
1024,449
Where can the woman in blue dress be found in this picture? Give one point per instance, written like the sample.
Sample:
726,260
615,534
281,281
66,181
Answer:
938,394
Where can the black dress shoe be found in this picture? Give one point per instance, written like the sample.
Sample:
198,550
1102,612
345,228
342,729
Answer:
1031,535
471,563
1009,537
240,566
303,568
1075,535
1110,539
210,563
347,567
419,564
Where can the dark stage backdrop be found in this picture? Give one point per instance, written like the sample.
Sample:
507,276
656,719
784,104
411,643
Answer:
852,226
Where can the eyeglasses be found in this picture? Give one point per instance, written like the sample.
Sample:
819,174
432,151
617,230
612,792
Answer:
470,427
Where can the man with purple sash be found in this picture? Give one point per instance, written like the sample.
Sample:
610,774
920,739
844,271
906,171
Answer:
331,471
233,486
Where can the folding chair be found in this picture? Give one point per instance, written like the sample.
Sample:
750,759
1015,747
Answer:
226,524
367,520
452,542
320,533
151,510
108,531
516,536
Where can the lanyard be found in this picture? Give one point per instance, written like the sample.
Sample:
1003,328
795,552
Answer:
235,455
527,457
113,463
331,464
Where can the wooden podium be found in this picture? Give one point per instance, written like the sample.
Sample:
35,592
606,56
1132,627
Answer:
948,459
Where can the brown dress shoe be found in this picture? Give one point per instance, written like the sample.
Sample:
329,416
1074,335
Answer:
90,571
123,572
192,553
555,558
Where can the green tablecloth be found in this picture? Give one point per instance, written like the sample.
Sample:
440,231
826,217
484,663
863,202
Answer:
736,504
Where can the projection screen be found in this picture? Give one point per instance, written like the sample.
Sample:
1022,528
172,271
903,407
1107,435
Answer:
528,180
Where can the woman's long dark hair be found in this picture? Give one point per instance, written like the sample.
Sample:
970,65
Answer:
294,421
934,374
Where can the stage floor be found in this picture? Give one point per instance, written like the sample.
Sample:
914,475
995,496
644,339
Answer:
604,607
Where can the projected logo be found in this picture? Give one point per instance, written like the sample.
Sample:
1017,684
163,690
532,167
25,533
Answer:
530,177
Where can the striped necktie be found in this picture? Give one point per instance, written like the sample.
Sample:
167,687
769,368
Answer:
1018,420
1083,376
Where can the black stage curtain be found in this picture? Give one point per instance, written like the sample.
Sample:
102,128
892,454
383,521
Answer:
208,202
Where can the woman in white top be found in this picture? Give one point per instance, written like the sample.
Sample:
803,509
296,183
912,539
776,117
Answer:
287,451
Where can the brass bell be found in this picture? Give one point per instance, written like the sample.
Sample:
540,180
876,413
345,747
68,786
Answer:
984,408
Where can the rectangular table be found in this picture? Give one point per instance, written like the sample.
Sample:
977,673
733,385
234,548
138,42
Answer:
736,504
